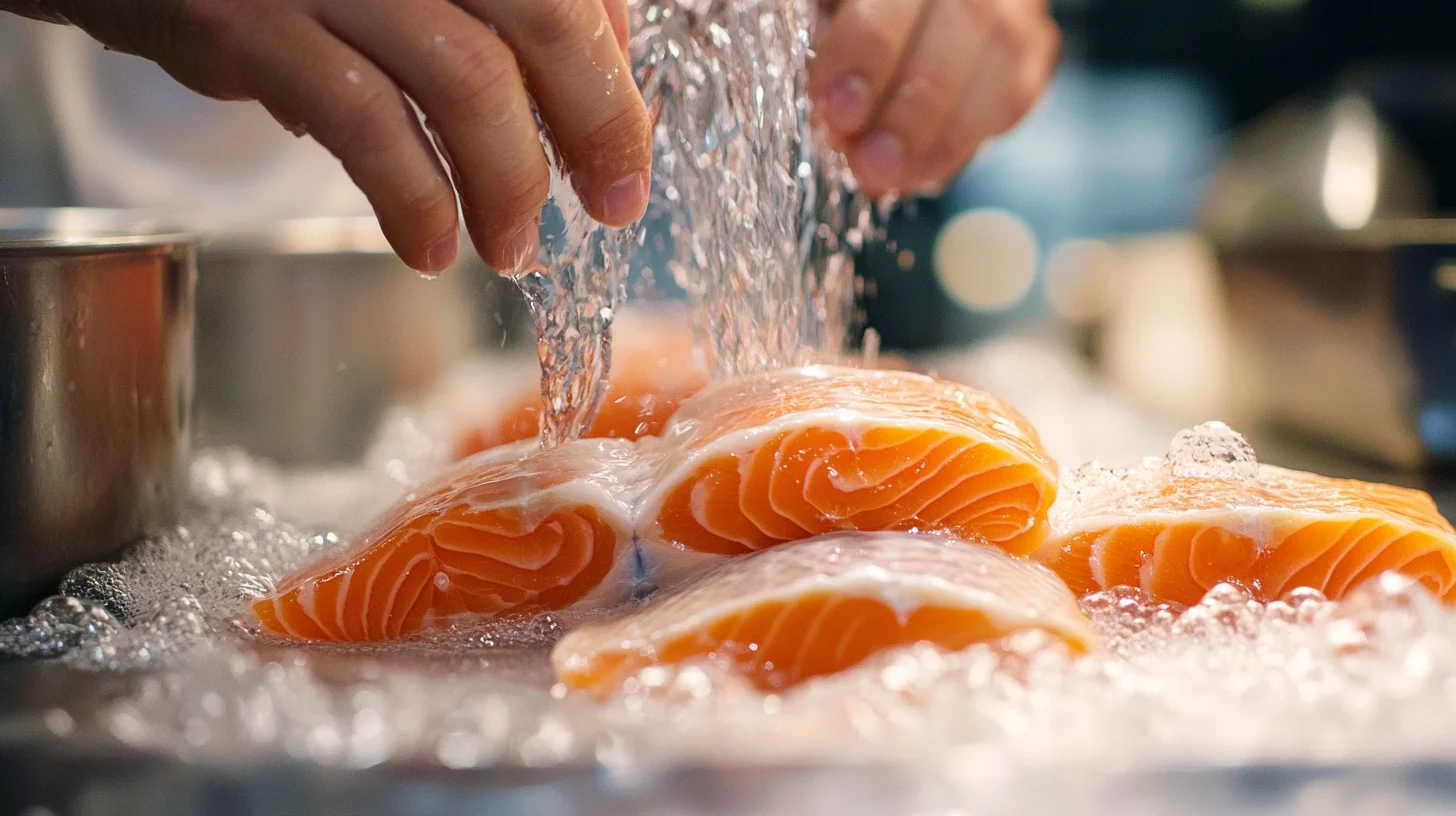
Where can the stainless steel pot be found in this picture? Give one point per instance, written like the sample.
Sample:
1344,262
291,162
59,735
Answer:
309,330
96,365
1351,338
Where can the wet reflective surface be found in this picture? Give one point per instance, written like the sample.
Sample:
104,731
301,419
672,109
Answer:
96,366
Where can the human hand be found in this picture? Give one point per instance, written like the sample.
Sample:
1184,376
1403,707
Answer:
340,71
910,89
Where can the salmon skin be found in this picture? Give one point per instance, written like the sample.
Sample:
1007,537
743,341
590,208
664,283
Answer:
820,606
654,368
497,534
756,462
1178,526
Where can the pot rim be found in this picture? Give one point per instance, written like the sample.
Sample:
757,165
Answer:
53,243
82,229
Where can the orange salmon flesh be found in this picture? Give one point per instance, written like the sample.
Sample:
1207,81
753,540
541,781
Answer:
497,537
817,607
794,454
1177,537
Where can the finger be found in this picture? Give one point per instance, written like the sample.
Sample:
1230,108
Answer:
937,69
857,60
350,107
622,25
466,81
585,92
1014,69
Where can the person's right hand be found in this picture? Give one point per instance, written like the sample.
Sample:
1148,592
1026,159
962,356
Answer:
340,69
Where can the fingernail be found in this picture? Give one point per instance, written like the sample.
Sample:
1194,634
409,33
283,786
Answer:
523,247
881,160
848,104
443,252
625,200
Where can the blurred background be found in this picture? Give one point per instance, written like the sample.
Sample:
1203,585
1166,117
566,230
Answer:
1224,208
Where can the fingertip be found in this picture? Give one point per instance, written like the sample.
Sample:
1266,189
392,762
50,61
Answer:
442,252
516,251
625,201
621,22
847,104
879,161
935,171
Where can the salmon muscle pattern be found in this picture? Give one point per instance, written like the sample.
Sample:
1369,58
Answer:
755,462
495,535
820,606
654,368
1209,512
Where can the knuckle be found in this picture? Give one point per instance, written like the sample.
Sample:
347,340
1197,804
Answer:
196,42
520,195
370,123
621,139
429,196
204,17
549,22
477,76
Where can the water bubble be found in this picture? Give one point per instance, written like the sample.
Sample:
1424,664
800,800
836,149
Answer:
57,626
1212,450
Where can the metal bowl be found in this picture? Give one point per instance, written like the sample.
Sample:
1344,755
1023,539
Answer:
96,366
309,330
1349,338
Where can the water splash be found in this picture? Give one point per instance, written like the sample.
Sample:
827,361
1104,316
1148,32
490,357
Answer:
573,288
762,216
766,216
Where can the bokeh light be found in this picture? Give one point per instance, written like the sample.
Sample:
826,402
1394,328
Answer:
986,260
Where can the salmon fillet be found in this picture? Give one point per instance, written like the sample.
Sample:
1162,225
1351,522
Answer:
1177,527
816,607
495,535
756,462
654,368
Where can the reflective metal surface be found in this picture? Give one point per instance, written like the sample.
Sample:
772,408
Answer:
1351,337
1311,167
310,330
96,366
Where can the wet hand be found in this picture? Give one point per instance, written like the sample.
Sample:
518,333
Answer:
910,89
340,70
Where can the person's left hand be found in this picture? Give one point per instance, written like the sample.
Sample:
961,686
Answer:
910,89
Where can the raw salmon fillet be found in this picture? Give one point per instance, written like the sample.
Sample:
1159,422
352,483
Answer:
654,368
1209,512
497,534
816,607
759,461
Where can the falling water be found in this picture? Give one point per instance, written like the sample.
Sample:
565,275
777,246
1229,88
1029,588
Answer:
762,215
